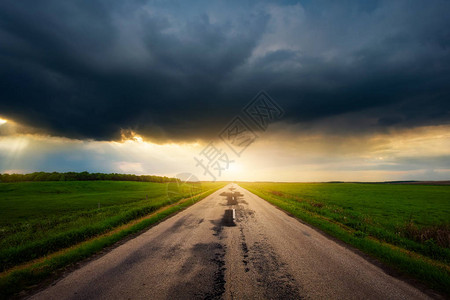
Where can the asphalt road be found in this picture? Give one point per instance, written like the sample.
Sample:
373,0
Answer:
202,253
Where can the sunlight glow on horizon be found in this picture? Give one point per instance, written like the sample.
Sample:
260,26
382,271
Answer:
3,121
413,154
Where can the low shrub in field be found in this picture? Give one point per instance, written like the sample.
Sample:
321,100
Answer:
360,234
438,234
276,193
317,204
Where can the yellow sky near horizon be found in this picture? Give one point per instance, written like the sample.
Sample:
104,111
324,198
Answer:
280,154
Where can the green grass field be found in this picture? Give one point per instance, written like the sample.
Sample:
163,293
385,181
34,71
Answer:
406,226
38,218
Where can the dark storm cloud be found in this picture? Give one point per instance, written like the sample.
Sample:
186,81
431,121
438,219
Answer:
179,72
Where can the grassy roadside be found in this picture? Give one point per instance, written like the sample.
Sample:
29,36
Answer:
430,267
40,218
21,277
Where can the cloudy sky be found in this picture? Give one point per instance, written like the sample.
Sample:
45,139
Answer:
150,87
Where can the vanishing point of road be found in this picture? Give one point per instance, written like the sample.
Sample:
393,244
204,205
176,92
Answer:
209,251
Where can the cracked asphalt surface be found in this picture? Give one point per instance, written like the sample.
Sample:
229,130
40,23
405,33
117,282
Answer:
203,253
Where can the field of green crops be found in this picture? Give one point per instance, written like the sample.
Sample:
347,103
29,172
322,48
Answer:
38,218
406,226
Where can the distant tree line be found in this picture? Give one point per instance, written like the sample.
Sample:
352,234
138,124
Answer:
83,176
